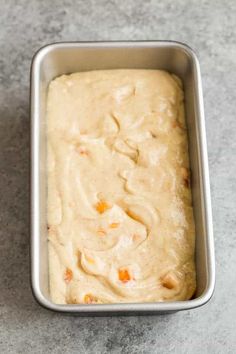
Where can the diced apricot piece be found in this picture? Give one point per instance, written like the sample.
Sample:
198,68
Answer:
68,275
90,299
114,225
124,275
102,206
169,281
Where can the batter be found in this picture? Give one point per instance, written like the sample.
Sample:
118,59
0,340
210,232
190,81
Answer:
120,218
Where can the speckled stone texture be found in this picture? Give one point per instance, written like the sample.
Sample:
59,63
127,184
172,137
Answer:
207,26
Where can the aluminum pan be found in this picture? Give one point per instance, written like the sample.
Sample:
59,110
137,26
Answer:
61,58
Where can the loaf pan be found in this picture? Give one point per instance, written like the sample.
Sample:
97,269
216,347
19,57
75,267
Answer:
64,58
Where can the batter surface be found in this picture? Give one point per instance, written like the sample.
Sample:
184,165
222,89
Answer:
120,219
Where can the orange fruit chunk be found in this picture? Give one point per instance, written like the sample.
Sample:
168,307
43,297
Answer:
169,281
114,225
90,299
68,275
124,275
102,206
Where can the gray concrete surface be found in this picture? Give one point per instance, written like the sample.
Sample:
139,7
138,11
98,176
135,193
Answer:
209,27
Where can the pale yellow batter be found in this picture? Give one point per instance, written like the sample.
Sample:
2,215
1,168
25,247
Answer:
120,219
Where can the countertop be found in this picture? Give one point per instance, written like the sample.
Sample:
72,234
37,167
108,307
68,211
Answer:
209,28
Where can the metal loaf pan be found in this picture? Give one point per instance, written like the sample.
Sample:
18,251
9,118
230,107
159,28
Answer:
63,58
